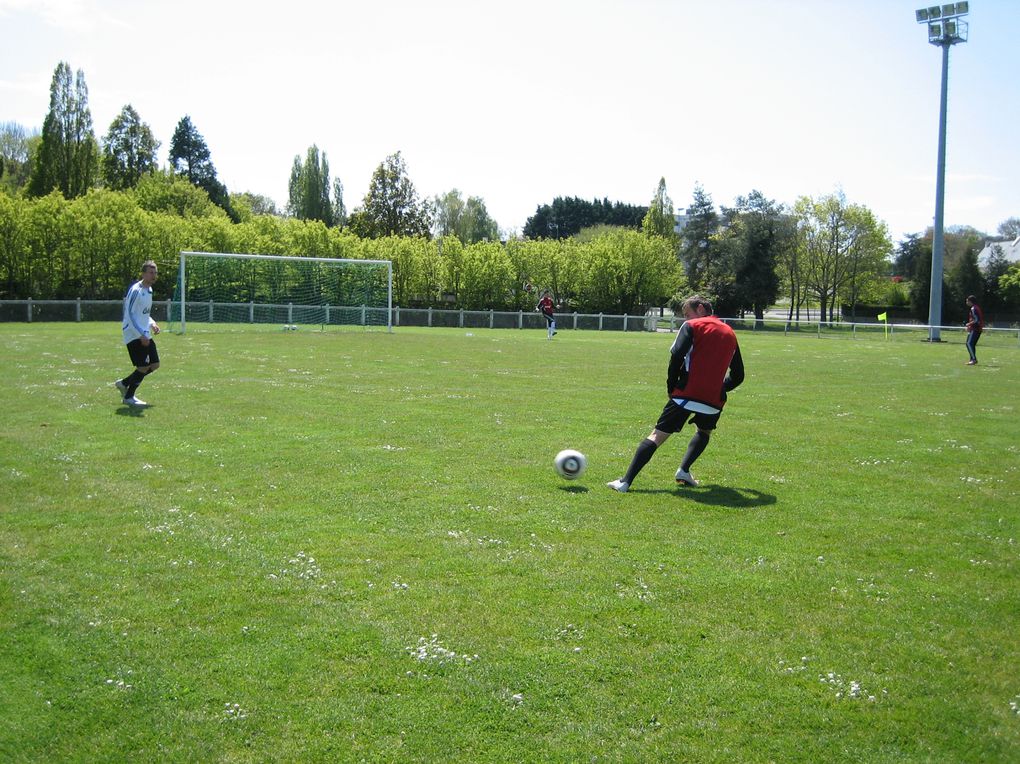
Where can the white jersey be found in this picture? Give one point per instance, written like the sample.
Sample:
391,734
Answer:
137,307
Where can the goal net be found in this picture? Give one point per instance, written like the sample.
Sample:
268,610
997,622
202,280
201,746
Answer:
288,291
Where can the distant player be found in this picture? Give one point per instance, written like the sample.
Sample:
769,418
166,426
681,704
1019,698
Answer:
697,382
138,328
545,307
975,323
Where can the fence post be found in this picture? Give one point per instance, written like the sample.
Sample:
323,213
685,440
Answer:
77,310
575,319
625,322
600,322
460,319
210,311
492,315
251,312
520,319
29,310
430,316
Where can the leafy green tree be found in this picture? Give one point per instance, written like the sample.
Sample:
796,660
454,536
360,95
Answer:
1009,284
129,151
469,221
190,157
248,205
68,157
15,155
309,187
391,207
696,250
660,219
174,194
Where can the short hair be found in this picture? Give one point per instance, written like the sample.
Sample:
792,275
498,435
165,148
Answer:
149,264
692,303
972,298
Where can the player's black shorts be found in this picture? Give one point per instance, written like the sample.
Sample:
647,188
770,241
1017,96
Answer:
673,418
141,355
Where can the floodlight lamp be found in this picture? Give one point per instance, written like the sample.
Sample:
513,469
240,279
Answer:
950,28
934,31
934,12
949,10
922,15
962,9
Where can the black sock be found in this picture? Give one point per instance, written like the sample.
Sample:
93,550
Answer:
642,455
132,381
694,449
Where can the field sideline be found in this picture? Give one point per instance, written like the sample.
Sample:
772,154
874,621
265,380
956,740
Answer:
352,546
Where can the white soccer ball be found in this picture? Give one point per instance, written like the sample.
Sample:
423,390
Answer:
570,464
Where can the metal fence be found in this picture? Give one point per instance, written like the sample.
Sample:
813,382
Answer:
205,316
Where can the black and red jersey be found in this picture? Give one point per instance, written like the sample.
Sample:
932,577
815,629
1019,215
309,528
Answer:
704,350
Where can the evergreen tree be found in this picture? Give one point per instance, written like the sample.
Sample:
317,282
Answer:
68,157
15,153
129,150
391,207
189,156
696,249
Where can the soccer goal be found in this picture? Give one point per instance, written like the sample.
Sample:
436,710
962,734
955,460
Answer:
287,291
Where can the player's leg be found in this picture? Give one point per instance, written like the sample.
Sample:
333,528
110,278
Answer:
671,420
696,447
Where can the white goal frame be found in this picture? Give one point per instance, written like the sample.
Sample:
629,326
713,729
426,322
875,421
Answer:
182,276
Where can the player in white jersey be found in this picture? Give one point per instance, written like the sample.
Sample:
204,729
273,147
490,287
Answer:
139,328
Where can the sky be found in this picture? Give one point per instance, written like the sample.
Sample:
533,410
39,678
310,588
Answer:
521,102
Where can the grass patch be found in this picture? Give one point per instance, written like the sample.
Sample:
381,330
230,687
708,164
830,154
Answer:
351,546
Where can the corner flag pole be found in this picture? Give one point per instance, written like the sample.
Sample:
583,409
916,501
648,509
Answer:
884,318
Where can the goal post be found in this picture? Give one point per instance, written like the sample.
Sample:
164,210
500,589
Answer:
289,290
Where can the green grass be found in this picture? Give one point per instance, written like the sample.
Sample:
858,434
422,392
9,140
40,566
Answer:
297,515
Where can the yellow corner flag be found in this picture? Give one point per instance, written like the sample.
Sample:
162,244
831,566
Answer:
883,316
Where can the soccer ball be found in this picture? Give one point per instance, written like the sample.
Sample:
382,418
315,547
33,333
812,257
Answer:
570,463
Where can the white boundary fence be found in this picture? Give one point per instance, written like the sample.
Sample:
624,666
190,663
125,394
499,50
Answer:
30,311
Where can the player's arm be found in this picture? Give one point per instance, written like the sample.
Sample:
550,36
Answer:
736,375
677,357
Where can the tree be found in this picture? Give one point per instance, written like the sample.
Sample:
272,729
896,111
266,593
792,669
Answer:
567,216
68,157
964,279
15,155
189,156
129,150
660,219
1009,228
843,247
174,194
247,205
391,206
757,235
696,248
309,197
468,221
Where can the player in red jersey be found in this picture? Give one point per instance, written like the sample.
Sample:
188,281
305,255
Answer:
975,323
704,350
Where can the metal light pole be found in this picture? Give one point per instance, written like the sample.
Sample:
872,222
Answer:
945,28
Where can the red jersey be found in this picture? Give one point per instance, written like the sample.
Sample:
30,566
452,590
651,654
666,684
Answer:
704,350
976,321
545,306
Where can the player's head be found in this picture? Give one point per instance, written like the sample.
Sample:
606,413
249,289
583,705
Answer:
971,299
695,306
149,271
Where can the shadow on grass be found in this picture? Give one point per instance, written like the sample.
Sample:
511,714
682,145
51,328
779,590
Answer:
574,488
719,496
136,411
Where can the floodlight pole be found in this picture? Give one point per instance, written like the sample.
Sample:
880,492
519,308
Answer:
945,28
939,241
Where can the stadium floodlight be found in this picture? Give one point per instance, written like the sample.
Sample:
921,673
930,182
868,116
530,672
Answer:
945,29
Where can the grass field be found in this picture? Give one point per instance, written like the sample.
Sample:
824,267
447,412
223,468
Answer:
353,546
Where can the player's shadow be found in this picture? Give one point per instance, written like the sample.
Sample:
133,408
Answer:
135,411
727,496
719,496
